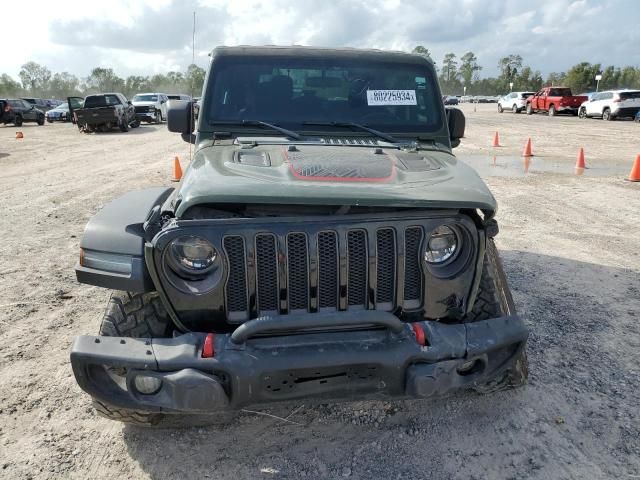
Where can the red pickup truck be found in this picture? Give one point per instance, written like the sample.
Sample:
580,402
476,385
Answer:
554,100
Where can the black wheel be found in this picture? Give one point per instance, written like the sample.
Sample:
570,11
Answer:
515,109
158,116
133,315
41,120
493,300
500,110
124,126
606,114
529,109
17,121
582,113
135,123
552,110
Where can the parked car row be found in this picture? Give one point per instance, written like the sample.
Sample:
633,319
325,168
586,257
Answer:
608,105
17,111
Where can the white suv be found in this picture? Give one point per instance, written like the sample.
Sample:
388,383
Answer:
515,101
150,107
611,104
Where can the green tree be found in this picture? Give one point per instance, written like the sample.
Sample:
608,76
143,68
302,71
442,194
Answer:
469,68
421,50
449,67
63,85
104,80
581,77
8,86
136,84
509,67
195,79
34,77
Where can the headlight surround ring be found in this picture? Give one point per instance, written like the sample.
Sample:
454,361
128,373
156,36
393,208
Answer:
452,261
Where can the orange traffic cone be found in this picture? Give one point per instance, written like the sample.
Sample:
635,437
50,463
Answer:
527,163
634,175
19,135
527,149
177,170
496,140
580,161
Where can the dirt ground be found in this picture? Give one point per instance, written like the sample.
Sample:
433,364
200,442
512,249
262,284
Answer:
570,245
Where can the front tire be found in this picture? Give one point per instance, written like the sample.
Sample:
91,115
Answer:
500,110
494,300
606,115
41,120
552,110
17,121
133,315
582,113
529,109
515,109
158,116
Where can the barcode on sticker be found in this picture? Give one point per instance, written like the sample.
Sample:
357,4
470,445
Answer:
391,97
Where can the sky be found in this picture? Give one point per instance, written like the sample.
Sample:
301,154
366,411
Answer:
144,37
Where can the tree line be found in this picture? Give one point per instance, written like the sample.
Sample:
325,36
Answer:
38,81
454,73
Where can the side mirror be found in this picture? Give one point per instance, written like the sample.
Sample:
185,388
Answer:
456,122
128,102
180,118
162,101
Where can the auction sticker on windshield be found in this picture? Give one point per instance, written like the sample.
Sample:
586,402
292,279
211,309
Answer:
391,97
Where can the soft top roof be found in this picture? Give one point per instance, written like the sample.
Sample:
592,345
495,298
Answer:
319,52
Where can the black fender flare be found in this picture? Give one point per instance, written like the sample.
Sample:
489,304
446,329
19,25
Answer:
116,233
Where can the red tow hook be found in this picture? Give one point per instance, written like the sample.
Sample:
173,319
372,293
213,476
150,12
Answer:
207,347
419,333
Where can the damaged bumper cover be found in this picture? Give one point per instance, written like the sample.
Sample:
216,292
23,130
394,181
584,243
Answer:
380,360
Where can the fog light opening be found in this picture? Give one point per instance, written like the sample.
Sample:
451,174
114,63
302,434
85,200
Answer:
147,385
471,367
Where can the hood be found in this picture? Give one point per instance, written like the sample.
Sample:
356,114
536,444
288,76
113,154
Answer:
330,175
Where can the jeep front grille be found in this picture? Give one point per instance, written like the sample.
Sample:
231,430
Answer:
377,267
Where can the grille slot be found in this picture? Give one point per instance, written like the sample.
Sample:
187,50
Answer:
328,269
298,271
357,252
412,270
236,291
386,274
287,271
267,278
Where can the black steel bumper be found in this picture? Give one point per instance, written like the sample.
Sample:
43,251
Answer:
381,360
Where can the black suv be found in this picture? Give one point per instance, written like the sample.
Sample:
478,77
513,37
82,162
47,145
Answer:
17,111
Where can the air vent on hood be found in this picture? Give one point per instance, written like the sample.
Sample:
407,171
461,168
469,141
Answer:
254,159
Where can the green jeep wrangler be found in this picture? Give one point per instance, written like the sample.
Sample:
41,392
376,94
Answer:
324,244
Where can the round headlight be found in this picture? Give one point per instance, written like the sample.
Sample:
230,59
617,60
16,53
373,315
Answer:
194,255
442,245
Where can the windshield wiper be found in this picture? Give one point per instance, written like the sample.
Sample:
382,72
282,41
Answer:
258,123
377,133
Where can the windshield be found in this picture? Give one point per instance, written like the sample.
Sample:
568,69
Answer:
291,91
145,98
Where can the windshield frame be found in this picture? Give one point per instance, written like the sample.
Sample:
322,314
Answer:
428,130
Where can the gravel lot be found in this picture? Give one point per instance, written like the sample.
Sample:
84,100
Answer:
570,246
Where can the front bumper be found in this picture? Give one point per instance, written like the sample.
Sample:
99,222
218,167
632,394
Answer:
147,116
376,363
